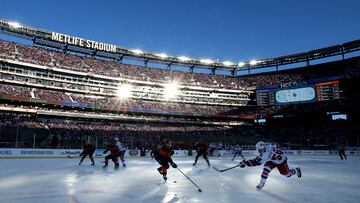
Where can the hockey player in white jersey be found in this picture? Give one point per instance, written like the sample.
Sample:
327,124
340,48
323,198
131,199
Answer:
237,151
122,150
272,157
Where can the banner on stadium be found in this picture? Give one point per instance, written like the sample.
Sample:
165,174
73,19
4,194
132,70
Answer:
85,43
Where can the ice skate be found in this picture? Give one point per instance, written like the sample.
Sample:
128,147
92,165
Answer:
260,186
160,170
298,172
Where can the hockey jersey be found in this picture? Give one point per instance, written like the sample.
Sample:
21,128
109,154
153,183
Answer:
89,148
237,149
201,147
272,153
120,146
112,148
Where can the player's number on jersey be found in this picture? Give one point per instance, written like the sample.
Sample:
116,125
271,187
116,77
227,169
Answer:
277,156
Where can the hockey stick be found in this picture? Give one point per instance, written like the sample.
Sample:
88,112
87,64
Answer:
218,170
190,180
73,156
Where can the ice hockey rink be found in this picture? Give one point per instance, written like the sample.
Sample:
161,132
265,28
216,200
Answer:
325,179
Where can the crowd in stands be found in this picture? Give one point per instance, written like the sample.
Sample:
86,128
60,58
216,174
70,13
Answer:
113,103
13,90
56,59
53,58
51,95
74,133
7,49
347,104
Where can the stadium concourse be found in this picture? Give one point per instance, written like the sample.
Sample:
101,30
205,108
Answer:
326,179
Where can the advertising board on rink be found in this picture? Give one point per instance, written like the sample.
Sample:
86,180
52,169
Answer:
63,153
53,153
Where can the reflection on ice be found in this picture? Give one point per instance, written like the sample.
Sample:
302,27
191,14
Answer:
325,179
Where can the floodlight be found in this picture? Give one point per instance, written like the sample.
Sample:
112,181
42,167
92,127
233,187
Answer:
137,51
228,63
206,61
162,55
183,58
241,64
171,90
14,24
124,91
253,62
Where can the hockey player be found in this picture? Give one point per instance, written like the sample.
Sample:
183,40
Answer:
272,157
201,151
88,150
163,156
237,151
122,150
342,152
154,150
211,148
114,153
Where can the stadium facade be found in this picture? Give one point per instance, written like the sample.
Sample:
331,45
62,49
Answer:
77,90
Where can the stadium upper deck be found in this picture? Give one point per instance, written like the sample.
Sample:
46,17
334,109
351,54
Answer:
59,77
85,46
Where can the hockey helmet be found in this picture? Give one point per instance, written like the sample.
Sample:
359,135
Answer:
260,147
167,143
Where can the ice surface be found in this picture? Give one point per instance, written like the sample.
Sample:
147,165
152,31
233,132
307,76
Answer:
325,179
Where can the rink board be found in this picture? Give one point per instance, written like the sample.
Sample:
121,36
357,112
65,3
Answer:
63,153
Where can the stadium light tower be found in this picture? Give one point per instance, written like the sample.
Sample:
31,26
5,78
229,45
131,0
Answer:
171,90
14,24
137,51
253,62
206,61
124,91
228,63
183,58
241,64
162,55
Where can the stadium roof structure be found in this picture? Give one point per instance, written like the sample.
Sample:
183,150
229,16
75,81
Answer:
76,44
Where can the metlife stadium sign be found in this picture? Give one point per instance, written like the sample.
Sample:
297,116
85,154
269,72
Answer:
77,41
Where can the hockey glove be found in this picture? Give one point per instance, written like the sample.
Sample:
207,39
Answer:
242,164
174,165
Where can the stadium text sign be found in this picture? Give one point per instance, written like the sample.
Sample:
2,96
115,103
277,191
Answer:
83,42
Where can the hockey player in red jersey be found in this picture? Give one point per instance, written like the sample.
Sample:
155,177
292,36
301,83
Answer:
272,157
163,156
202,150
88,150
114,153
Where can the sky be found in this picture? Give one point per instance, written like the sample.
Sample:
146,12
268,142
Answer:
234,30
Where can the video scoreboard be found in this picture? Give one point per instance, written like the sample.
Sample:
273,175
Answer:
310,93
